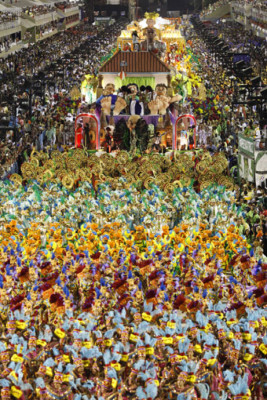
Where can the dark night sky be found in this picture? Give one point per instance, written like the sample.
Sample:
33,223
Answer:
178,4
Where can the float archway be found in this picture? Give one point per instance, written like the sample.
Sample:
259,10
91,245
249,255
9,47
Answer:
84,118
191,121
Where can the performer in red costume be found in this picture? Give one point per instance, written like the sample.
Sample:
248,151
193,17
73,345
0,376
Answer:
79,136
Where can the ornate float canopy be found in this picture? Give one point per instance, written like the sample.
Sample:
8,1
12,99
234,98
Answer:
167,30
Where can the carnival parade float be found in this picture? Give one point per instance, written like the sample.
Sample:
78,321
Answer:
145,82
124,272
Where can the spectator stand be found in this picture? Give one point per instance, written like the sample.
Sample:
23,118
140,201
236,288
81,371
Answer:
10,29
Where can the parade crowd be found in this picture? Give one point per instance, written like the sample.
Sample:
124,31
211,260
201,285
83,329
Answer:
127,275
7,17
38,10
52,122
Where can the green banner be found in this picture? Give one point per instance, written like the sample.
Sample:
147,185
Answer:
139,80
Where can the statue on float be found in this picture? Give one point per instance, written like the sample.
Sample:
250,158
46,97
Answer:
136,107
110,102
132,135
89,87
179,85
161,101
152,35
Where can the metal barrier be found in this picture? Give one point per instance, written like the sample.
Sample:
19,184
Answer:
52,15
70,10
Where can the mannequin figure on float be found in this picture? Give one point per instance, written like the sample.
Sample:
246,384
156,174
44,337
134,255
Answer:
109,101
150,32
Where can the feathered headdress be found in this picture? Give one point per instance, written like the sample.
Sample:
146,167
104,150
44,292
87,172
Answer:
151,15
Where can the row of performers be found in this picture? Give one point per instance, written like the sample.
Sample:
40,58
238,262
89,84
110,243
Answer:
120,137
